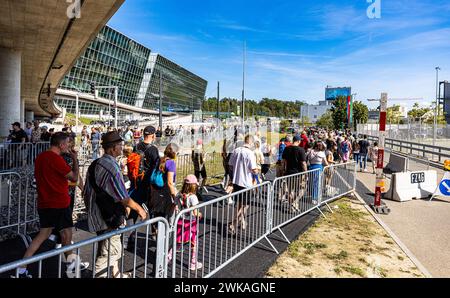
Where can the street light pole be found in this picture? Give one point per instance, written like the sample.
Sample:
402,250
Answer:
243,90
160,101
436,106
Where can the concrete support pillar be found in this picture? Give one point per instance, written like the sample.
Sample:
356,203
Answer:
29,116
10,74
22,112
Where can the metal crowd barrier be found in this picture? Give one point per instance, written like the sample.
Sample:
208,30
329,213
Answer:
229,226
18,205
294,196
14,156
338,180
112,256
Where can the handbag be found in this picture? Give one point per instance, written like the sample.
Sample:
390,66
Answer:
113,213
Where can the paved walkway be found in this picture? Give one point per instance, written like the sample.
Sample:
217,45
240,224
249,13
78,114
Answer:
421,225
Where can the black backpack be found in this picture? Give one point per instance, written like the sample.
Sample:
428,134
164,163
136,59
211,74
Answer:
113,213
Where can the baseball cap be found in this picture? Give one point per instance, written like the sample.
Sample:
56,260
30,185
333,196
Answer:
191,179
15,124
149,130
296,138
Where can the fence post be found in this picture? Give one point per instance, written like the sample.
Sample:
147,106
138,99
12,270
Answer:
319,199
269,214
161,251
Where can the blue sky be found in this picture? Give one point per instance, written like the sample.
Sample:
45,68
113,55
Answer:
297,47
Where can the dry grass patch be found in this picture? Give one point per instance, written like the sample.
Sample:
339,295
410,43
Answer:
347,243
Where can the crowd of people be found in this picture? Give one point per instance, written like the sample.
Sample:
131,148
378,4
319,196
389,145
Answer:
133,180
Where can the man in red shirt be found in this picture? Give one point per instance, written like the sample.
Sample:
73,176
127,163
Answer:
304,142
52,175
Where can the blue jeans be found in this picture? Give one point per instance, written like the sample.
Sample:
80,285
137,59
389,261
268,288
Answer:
315,180
362,157
95,149
356,158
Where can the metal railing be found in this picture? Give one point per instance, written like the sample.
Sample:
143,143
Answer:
420,150
294,196
338,180
229,226
107,255
18,206
14,156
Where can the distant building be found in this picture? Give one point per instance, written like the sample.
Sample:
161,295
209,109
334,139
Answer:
314,112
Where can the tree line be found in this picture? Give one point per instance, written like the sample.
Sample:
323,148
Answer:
268,107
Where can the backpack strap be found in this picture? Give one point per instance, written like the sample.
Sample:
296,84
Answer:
91,171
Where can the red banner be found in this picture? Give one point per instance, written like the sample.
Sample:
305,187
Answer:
377,196
380,159
382,121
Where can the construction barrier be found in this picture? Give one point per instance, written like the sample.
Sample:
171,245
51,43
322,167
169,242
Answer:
397,163
412,185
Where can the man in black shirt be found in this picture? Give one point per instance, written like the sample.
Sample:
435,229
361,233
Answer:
294,157
17,135
294,162
150,152
363,151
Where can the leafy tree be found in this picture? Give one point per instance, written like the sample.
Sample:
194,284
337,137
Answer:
360,113
326,120
339,113
266,107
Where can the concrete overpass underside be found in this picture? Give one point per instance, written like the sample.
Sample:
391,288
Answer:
39,43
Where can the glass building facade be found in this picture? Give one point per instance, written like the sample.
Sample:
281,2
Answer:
113,59
182,90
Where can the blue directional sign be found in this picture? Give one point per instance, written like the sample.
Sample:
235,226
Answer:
444,187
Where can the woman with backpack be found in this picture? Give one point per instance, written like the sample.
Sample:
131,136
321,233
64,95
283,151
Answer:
162,181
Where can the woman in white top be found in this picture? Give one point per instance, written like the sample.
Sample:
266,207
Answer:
316,157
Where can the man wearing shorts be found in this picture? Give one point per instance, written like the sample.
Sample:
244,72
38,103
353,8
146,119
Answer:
52,175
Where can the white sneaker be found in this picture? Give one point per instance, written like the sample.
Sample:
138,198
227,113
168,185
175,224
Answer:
196,266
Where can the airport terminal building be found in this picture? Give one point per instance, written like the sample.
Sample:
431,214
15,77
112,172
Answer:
113,59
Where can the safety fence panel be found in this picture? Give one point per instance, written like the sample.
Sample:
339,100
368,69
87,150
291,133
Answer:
338,180
21,155
18,205
14,156
294,196
210,235
10,204
113,254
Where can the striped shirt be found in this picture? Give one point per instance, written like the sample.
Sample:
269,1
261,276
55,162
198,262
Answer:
109,178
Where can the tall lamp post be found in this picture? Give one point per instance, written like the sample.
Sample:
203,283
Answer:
436,105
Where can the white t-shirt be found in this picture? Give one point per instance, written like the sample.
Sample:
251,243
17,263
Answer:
191,200
316,158
243,161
